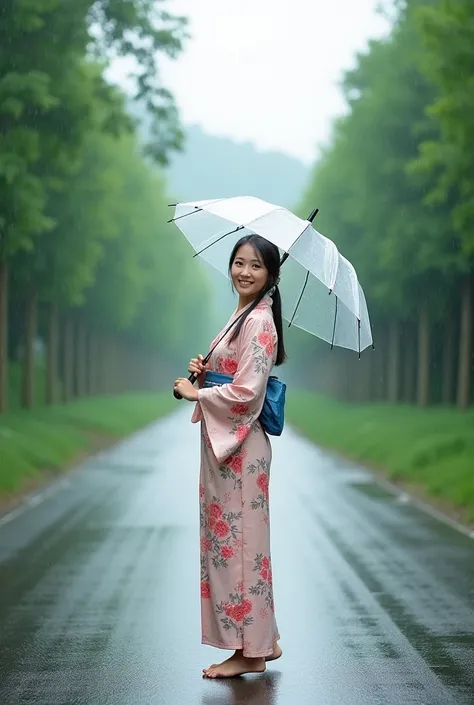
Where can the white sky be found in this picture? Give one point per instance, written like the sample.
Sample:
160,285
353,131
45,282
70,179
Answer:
267,71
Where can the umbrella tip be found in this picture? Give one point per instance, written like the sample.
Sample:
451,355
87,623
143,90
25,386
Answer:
313,215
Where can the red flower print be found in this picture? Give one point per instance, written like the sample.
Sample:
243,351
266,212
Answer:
212,522
264,573
238,613
239,409
236,463
262,483
215,511
240,586
227,552
206,545
241,433
247,605
265,562
228,365
265,339
206,591
228,609
221,528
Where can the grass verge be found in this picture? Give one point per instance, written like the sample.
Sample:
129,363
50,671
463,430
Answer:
430,451
34,443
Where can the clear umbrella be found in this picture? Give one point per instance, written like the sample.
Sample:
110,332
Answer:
320,289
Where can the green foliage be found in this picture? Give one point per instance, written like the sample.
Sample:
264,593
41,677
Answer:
432,449
447,29
82,209
370,204
48,95
394,185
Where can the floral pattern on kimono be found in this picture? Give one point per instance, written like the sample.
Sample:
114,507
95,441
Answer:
237,606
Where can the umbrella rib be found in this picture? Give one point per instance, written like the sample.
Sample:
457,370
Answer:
334,327
299,300
241,227
287,254
358,334
173,220
310,219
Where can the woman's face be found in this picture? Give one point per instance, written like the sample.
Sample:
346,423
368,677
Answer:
249,274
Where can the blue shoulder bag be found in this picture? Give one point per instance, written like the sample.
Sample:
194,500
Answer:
272,416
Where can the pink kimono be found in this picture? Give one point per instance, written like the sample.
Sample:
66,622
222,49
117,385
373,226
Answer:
237,609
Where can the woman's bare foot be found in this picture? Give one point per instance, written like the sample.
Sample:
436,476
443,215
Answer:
277,652
236,665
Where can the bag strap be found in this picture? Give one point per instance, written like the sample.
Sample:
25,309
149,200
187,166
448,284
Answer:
208,356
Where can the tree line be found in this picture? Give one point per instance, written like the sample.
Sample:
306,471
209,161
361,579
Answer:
87,264
395,188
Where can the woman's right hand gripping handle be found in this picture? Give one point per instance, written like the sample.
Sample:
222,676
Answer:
198,368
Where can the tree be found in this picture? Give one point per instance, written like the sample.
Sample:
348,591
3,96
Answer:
372,200
448,32
45,114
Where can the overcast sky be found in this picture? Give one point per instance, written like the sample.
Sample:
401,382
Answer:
267,71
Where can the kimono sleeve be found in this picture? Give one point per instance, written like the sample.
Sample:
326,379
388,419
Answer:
230,411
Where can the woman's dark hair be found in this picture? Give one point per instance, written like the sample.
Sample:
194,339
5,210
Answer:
270,255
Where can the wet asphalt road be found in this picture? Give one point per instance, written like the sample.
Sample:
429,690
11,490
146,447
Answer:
99,587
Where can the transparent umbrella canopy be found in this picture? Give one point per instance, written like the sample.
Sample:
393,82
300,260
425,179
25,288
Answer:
320,289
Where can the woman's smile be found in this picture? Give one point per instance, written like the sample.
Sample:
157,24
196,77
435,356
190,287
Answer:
249,274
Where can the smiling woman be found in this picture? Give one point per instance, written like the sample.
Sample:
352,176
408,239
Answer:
248,273
237,604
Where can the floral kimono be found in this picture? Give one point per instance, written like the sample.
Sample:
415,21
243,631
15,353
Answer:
237,609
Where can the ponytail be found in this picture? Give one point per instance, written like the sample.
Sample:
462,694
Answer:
278,320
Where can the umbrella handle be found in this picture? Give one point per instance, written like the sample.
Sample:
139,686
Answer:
192,378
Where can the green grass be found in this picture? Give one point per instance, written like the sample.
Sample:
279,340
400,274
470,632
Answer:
48,438
432,449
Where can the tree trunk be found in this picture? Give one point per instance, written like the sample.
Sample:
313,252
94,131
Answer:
448,364
363,376
81,359
92,354
423,389
409,364
3,336
465,343
52,354
28,386
378,382
394,362
68,361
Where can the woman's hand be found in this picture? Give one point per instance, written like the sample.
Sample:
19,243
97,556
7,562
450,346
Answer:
184,387
196,365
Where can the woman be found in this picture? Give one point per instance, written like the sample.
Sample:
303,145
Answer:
237,608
